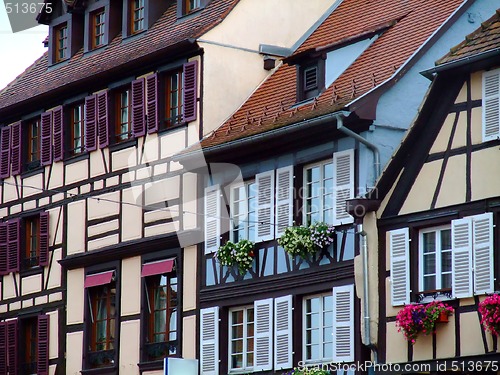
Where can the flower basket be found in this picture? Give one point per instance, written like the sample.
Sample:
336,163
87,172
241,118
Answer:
416,318
304,241
315,370
240,254
490,314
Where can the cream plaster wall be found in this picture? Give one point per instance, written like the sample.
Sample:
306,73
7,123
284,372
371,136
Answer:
453,187
420,196
56,176
462,95
445,339
9,285
56,226
189,337
189,278
99,162
10,191
31,284
485,184
99,243
55,271
103,205
76,216
162,190
388,196
74,356
389,309
103,227
53,334
443,137
189,200
476,79
75,309
477,125
32,185
151,146
129,350
422,349
131,214
131,283
397,347
124,159
172,142
470,330
78,171
460,136
156,230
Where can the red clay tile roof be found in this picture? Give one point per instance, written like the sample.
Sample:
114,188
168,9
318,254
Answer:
271,106
484,39
166,32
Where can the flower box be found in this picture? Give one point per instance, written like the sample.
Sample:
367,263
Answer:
240,254
304,241
490,314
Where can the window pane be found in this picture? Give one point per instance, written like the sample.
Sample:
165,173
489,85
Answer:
429,244
430,282
429,264
446,239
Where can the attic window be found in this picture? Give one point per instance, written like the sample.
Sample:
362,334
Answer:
190,5
310,80
61,40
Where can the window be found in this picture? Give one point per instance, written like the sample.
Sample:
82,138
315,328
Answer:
30,338
190,5
123,120
97,28
32,241
161,299
243,212
241,338
173,98
318,328
328,185
33,142
310,80
102,325
137,16
491,105
61,41
435,259
77,129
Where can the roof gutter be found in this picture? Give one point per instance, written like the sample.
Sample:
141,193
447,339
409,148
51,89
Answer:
429,73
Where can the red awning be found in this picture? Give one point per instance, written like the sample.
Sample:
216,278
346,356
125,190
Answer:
157,268
97,279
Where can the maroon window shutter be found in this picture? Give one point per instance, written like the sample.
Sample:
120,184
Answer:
44,239
46,139
12,346
102,119
190,91
13,238
15,150
3,250
58,128
43,345
90,123
5,152
138,123
3,348
152,82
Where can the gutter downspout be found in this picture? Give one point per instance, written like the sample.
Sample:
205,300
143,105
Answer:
376,153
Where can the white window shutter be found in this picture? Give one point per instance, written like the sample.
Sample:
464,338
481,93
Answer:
283,333
482,244
343,323
400,266
491,105
461,239
212,219
263,341
343,185
209,337
265,206
284,199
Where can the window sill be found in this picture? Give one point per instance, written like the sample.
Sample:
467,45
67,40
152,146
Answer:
123,144
76,158
151,366
434,295
35,270
164,129
101,371
130,37
32,172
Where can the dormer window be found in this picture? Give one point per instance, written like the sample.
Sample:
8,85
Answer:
137,16
98,28
310,80
310,83
190,5
185,7
61,41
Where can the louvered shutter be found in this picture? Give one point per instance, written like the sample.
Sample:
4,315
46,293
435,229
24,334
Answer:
3,348
15,149
212,219
283,333
284,199
5,152
13,237
343,323
12,346
343,184
265,206
400,266
138,123
3,249
189,94
209,345
482,245
58,128
102,119
46,139
263,331
44,239
90,123
461,239
152,119
43,345
491,105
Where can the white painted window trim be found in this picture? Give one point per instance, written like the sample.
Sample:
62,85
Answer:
319,164
245,337
246,216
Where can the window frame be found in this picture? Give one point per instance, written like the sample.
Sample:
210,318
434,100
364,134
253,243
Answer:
117,134
305,94
248,185
31,257
132,18
93,28
57,42
33,156
245,339
166,102
321,327
438,271
72,137
321,164
26,358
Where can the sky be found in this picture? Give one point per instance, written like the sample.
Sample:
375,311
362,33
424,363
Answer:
18,50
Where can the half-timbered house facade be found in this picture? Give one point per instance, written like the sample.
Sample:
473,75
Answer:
312,136
94,275
437,224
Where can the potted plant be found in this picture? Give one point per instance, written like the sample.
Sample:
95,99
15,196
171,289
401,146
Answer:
416,318
306,240
238,254
307,371
490,314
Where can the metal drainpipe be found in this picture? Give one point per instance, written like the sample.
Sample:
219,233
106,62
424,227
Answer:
376,153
